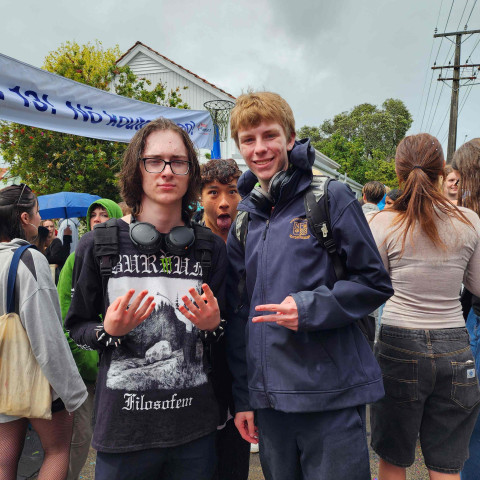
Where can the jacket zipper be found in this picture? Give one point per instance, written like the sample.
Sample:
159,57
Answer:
265,231
263,335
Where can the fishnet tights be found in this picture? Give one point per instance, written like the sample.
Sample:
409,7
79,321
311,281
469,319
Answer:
55,436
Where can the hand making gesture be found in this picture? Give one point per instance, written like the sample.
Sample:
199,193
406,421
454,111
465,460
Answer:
286,314
204,313
122,318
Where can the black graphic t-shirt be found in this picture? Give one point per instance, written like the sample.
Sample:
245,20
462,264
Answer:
154,390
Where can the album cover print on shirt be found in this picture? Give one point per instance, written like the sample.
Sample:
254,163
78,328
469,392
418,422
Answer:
164,352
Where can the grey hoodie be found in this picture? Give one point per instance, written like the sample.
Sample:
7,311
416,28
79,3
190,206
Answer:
36,301
370,208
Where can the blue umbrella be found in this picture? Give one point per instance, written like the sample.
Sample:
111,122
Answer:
65,204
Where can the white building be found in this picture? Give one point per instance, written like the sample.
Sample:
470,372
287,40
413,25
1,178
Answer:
155,67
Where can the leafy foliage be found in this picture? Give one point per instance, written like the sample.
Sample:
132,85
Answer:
363,141
49,161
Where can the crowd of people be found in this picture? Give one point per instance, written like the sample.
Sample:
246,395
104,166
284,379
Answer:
190,334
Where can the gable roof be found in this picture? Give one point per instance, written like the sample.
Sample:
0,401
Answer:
175,64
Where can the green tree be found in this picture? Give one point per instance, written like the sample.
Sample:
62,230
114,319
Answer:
314,133
50,161
363,140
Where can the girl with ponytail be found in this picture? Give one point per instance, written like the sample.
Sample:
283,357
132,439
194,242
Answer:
430,247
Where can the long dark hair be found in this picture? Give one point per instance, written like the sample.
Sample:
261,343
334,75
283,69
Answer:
419,163
467,161
130,176
14,200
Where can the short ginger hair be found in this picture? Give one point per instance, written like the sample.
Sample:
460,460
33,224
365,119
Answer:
251,109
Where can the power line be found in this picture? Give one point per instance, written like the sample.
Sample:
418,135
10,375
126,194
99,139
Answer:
431,106
458,28
465,98
444,30
461,108
436,107
469,89
464,8
471,11
456,79
435,62
443,121
443,84
429,59
476,45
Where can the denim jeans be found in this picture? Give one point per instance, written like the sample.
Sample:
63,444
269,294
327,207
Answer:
431,389
471,469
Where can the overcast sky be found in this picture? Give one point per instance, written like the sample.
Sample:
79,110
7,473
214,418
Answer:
323,56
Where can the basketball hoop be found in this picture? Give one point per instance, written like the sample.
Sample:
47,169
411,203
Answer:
220,112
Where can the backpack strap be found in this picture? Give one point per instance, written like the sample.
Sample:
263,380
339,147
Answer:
105,239
318,216
203,248
241,227
12,276
240,233
105,248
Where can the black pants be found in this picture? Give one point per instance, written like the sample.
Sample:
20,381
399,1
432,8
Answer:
314,446
233,454
192,461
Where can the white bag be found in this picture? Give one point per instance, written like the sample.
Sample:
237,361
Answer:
24,389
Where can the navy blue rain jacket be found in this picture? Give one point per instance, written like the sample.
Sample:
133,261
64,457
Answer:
327,364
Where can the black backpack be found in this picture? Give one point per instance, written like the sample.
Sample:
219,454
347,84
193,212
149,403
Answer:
106,248
318,216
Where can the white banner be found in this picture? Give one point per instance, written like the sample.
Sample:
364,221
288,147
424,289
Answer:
31,96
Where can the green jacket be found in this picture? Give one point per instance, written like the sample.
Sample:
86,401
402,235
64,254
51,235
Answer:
86,360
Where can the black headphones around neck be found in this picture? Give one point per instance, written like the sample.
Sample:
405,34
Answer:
265,200
149,240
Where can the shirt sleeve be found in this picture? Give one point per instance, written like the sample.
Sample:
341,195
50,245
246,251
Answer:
39,310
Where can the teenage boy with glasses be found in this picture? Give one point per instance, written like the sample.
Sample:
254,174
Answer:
156,411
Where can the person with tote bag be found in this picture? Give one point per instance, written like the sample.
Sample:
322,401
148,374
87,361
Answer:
35,313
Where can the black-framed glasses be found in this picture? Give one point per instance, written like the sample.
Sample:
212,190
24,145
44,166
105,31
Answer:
157,165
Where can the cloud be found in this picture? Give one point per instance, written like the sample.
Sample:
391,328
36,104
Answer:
324,57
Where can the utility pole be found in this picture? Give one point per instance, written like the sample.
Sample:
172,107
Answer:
452,129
